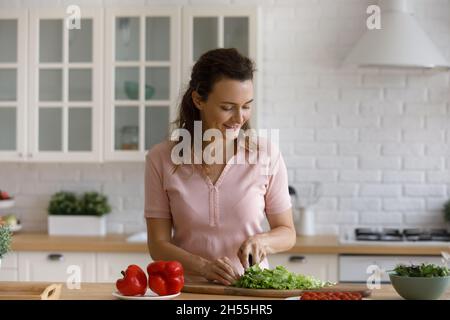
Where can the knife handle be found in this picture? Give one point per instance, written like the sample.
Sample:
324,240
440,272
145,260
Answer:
250,260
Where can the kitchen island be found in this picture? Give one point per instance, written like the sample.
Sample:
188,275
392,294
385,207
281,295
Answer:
103,291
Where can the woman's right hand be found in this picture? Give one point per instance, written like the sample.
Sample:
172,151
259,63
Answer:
220,270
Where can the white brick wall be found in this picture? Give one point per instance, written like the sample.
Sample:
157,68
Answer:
377,139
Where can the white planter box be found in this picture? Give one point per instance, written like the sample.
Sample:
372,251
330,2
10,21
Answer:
76,225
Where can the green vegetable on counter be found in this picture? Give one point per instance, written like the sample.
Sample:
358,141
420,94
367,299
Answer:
423,270
88,204
5,240
278,278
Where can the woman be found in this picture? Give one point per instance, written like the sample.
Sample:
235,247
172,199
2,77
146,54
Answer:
208,216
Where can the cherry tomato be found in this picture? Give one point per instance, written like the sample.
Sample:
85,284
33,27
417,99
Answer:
331,295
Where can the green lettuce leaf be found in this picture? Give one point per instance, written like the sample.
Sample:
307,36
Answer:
278,278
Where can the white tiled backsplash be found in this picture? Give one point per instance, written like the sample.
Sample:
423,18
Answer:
378,140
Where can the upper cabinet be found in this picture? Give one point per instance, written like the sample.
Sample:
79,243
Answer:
141,79
206,28
13,50
104,87
65,96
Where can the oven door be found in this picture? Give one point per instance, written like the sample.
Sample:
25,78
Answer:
358,268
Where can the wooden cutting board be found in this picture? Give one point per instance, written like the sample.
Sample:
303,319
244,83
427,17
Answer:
30,291
211,288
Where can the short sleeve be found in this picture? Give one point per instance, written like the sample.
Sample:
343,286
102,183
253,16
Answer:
277,196
156,199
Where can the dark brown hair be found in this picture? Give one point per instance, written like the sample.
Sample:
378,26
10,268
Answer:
211,67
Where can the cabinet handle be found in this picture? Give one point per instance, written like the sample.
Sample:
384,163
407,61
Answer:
20,154
55,257
300,259
30,155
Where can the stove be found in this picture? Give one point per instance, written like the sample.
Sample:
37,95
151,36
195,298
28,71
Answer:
397,235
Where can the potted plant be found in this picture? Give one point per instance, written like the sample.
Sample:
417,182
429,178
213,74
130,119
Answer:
5,241
83,215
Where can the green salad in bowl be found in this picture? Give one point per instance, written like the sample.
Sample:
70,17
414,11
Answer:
420,282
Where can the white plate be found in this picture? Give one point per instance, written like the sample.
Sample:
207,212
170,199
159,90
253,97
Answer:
6,204
149,295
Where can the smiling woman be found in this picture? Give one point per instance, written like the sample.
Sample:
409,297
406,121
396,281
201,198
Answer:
209,216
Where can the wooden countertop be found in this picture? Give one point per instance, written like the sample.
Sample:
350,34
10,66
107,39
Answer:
329,244
321,244
44,242
103,291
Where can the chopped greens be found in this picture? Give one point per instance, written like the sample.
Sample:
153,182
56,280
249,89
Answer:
278,278
423,270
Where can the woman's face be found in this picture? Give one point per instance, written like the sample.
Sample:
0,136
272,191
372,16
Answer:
228,106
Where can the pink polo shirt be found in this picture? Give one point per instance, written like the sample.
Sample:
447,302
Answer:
212,221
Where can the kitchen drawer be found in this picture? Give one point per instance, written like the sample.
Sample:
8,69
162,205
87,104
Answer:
54,266
321,266
109,265
9,261
9,268
9,274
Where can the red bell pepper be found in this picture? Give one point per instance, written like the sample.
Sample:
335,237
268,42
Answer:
133,283
165,277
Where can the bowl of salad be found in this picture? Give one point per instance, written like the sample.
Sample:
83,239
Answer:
420,282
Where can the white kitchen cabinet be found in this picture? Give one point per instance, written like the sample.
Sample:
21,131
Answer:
211,27
9,267
142,67
321,266
56,266
360,268
13,56
59,266
109,265
65,85
68,96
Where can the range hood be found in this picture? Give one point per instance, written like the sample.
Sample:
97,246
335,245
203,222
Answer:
400,42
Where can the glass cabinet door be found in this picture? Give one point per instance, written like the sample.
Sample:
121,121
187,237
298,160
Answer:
8,85
205,35
142,79
207,27
65,110
12,85
210,28
214,32
236,33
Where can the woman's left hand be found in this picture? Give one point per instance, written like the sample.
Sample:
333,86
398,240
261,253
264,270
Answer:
252,246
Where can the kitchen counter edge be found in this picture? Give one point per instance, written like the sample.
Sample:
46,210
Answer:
319,244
